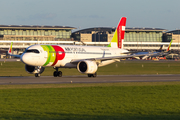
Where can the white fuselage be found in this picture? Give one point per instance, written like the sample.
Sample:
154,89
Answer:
63,55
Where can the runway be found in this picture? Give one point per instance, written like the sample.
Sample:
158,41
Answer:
85,79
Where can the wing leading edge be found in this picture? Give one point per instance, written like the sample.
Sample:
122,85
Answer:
76,61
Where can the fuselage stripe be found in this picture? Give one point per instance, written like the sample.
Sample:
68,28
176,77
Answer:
50,56
53,54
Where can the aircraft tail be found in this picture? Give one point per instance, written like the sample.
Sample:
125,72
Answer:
160,49
10,49
118,37
169,46
10,52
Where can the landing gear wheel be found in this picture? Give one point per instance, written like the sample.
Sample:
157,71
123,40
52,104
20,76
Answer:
57,74
37,75
92,75
89,75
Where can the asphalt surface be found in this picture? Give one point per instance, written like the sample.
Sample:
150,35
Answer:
85,79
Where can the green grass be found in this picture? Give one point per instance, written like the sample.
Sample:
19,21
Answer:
106,101
118,68
93,101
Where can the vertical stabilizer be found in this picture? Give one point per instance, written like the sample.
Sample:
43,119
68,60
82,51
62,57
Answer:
160,49
10,52
169,45
118,37
10,49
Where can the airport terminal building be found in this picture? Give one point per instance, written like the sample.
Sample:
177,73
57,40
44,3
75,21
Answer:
101,34
64,33
135,38
131,35
35,33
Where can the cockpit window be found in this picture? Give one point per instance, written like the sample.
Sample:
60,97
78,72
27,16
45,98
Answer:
32,51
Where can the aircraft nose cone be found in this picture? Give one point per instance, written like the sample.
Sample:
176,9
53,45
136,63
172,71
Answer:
25,59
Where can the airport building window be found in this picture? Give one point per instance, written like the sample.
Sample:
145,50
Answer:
13,32
24,32
46,32
1,32
5,32
143,36
20,32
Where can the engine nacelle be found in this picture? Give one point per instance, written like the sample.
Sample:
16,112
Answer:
88,67
34,69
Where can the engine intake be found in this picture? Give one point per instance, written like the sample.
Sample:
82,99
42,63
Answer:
88,67
34,69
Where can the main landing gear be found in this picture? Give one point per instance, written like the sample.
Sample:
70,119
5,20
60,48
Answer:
57,73
92,75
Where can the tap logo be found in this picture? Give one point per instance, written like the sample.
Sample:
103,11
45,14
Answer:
54,53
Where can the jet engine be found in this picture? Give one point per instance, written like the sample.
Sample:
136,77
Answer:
34,69
88,67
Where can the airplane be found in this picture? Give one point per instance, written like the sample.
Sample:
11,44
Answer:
86,59
157,53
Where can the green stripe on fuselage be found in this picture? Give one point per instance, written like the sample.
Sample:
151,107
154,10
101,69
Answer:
51,54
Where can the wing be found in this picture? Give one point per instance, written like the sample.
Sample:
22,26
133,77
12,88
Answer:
17,56
75,61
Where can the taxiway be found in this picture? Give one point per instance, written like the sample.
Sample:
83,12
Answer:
85,79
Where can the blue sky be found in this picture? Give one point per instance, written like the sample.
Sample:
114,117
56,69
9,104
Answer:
91,13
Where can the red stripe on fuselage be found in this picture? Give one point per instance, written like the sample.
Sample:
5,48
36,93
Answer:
60,54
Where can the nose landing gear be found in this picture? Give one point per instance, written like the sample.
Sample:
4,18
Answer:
38,70
37,74
57,73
